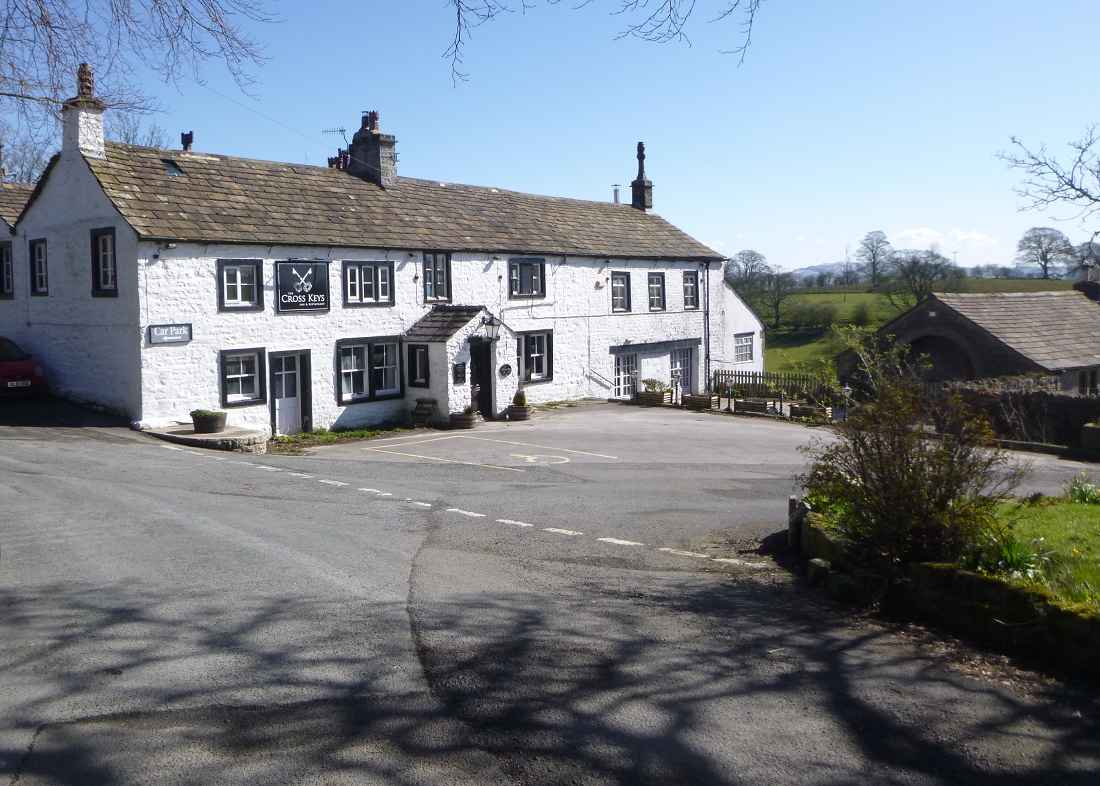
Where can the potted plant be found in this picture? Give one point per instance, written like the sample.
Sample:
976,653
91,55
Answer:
654,393
519,409
207,421
467,418
701,402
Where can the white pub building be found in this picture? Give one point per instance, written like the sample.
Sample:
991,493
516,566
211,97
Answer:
154,282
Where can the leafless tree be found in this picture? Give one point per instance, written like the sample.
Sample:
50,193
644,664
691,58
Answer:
128,127
849,274
916,274
23,152
656,21
746,270
875,252
1074,181
774,290
1045,248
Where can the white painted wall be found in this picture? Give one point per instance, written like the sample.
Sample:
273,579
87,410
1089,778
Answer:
179,285
87,345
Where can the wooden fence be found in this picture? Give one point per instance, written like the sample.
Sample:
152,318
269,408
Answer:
773,384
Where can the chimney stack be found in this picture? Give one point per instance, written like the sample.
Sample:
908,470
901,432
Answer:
1091,289
82,118
186,140
373,155
641,190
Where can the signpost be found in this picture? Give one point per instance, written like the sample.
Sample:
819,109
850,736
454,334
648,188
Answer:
169,334
301,286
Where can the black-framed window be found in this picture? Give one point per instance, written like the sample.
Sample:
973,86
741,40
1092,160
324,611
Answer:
620,291
691,289
240,285
368,284
7,272
368,369
656,291
104,263
419,373
437,276
535,355
243,375
526,277
39,267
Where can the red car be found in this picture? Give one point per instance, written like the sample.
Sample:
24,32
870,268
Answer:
19,374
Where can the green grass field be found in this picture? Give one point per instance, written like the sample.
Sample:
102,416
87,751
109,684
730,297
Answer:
791,350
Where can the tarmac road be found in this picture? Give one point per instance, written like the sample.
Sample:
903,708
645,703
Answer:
379,613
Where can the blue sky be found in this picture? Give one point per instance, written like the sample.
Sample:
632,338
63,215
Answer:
874,116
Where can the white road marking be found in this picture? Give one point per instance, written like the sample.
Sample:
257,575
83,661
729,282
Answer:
541,459
419,440
557,531
333,482
542,447
379,492
618,542
300,475
682,553
267,468
741,562
445,460
514,523
418,504
195,453
170,447
469,513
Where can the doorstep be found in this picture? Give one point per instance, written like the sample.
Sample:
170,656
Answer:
239,440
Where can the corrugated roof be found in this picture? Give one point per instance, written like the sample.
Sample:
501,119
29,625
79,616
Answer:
13,197
237,200
442,322
1056,330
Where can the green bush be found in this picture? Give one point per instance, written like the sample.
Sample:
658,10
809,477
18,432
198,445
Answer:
861,315
900,496
204,413
1082,489
654,386
520,399
811,315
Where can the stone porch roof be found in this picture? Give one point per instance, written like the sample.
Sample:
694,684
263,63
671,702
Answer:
189,196
442,322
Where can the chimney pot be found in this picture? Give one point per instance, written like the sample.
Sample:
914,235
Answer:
1091,289
186,140
82,118
641,190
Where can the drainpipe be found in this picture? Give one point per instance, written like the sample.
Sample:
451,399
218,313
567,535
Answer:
706,324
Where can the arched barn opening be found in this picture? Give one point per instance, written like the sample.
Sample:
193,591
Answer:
948,360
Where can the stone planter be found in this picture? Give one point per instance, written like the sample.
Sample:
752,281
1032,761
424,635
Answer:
752,405
1090,438
809,411
518,413
647,399
463,419
700,403
208,422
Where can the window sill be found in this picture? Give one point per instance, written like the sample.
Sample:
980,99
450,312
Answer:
223,309
537,381
620,311
369,304
104,293
252,402
657,310
423,385
527,297
350,402
40,294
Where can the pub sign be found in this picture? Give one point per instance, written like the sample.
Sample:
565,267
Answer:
301,286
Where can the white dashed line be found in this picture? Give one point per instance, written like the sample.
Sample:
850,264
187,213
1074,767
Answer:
617,542
514,523
379,492
557,531
333,482
741,562
170,447
299,475
266,468
419,504
469,513
682,553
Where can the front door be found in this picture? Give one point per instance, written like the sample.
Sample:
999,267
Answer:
481,377
680,361
290,392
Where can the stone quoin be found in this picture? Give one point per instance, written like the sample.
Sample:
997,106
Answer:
154,282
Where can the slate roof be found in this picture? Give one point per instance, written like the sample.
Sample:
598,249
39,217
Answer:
1056,330
13,197
222,199
442,322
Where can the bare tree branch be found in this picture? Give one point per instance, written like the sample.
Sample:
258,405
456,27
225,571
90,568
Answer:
1050,181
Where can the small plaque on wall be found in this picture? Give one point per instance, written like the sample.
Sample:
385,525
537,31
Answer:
459,373
169,334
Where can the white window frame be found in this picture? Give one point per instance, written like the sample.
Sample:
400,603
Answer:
419,373
108,278
7,271
744,345
40,265
390,364
368,284
626,363
240,396
437,276
656,288
542,355
234,271
359,354
693,277
620,277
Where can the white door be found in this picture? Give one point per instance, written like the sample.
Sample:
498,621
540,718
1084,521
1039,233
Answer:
680,362
626,368
287,394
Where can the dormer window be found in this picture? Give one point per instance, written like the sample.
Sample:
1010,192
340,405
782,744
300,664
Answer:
171,168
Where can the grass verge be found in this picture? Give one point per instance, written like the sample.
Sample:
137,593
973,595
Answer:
295,444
